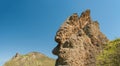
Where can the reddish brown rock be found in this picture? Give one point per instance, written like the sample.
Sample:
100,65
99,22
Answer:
79,41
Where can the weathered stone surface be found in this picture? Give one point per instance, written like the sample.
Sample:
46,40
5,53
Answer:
79,41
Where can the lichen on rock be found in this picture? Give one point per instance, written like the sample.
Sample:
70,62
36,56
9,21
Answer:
79,41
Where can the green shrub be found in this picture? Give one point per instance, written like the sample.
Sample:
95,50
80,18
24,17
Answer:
110,55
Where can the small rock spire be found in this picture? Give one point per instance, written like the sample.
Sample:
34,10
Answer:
17,55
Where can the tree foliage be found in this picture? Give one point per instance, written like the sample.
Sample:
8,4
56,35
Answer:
110,56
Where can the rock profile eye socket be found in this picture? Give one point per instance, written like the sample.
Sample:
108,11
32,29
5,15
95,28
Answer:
67,45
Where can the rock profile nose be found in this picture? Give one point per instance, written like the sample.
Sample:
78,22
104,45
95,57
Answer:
55,51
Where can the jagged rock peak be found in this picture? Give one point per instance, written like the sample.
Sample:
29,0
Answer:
72,25
17,55
85,13
79,41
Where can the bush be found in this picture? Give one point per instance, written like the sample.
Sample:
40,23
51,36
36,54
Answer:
110,56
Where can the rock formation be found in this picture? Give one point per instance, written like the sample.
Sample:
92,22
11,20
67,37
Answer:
79,41
30,59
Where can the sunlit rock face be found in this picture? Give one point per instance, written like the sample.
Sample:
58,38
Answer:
79,41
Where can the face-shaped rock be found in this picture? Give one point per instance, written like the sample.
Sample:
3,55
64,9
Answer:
77,43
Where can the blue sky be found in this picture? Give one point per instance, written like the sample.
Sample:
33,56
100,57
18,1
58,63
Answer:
30,25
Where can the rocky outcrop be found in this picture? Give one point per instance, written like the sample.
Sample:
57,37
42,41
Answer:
30,59
79,41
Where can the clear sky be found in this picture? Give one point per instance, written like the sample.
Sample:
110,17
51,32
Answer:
31,25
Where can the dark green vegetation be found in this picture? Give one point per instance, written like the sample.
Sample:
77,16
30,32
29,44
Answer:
110,55
30,59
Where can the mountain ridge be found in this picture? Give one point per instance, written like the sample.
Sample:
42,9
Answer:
30,59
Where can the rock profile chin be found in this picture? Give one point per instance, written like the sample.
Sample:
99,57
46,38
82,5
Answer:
79,41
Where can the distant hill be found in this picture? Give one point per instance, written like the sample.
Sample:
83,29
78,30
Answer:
30,59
